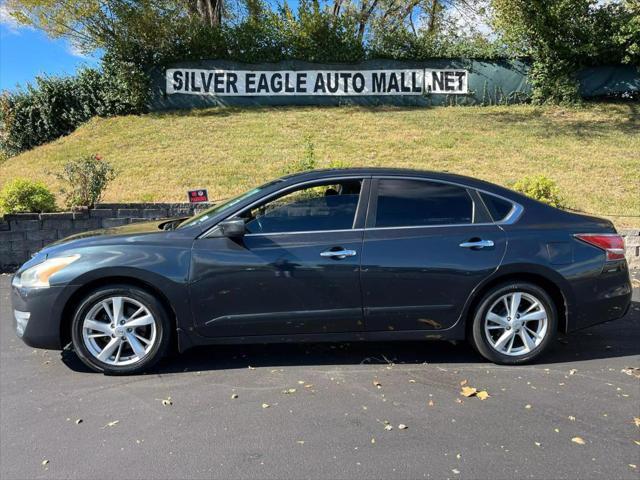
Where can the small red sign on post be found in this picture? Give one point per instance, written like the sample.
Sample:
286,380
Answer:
198,196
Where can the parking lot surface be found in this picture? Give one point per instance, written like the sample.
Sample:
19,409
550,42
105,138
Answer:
327,411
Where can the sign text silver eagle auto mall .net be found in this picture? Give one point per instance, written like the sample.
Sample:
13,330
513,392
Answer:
315,82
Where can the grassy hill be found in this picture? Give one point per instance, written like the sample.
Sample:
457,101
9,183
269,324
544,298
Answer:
593,152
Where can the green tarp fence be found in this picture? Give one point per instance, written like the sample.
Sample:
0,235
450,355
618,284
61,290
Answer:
197,84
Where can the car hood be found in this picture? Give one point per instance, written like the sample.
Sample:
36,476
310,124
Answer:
135,233
131,229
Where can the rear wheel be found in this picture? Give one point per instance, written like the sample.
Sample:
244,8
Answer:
120,330
514,323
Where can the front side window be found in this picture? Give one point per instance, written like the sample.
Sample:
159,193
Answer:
328,206
408,203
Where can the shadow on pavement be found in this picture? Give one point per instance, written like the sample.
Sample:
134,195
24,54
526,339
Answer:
619,338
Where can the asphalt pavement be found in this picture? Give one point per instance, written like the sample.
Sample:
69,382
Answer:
327,411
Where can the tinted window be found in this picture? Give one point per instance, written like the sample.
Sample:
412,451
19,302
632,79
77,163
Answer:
321,207
498,208
404,203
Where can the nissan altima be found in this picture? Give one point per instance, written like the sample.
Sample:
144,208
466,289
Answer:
330,255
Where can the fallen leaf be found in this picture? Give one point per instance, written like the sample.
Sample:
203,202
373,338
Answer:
633,465
636,420
456,471
431,404
459,400
482,395
463,383
411,380
578,440
376,383
557,430
251,368
388,427
112,424
572,418
458,456
78,421
373,440
265,405
300,442
402,426
289,391
167,402
528,407
468,391
637,442
234,396
300,382
573,371
308,385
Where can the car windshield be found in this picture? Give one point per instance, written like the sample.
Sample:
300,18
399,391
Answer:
221,207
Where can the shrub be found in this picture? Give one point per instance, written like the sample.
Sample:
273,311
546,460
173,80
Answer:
56,106
540,188
24,196
306,162
87,178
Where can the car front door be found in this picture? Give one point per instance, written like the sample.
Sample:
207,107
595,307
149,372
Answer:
427,245
295,270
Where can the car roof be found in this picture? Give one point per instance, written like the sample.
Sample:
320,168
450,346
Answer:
409,172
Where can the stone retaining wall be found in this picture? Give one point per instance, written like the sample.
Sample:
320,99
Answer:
23,234
632,244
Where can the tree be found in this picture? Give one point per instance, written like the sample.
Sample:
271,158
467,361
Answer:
93,24
561,36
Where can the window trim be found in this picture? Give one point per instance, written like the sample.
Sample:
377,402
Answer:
364,208
358,218
510,218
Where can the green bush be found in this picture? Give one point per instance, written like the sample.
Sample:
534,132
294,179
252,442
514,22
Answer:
540,188
56,106
25,196
87,178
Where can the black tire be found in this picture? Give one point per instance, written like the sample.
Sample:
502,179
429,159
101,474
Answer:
479,338
161,321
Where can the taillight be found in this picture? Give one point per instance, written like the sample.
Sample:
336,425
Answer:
611,243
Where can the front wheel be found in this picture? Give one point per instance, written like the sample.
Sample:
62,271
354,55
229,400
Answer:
514,323
120,330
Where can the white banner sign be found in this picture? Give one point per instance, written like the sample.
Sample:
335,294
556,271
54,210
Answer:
315,82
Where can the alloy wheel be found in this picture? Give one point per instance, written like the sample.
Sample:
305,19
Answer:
516,323
119,331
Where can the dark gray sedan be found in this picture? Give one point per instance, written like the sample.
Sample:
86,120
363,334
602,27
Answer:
332,255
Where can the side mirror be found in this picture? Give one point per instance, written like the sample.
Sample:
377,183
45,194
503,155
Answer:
232,228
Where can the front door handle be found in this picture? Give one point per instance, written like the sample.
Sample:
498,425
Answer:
477,244
338,254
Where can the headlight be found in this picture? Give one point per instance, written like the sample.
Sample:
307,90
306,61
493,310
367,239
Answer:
38,275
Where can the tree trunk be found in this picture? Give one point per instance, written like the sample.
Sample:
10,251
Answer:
210,11
365,13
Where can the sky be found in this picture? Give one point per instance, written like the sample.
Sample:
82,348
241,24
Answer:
26,52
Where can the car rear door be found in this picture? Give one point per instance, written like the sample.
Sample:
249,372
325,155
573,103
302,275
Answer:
296,270
427,245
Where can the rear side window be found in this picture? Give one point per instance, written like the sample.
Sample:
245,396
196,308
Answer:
498,208
408,203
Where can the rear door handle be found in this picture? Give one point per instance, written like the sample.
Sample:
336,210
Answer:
477,244
338,254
